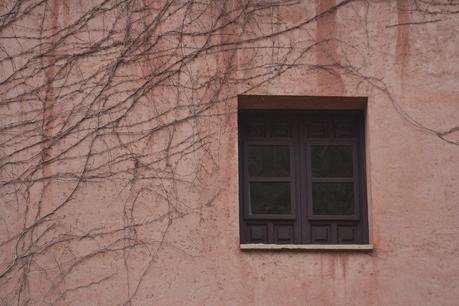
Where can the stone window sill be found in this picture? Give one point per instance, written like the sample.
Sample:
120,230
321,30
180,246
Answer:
307,247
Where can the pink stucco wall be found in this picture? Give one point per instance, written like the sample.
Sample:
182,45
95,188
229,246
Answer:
409,73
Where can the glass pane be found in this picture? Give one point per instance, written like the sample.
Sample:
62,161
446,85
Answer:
331,161
333,198
270,198
269,160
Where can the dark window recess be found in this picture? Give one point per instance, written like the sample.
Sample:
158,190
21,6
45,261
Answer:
302,177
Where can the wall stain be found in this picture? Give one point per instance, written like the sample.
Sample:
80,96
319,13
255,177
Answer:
402,47
329,82
343,260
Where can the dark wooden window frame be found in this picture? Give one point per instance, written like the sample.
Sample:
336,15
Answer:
301,226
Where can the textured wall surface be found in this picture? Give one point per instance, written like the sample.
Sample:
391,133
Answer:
175,240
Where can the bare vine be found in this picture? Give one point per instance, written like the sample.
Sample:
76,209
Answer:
120,94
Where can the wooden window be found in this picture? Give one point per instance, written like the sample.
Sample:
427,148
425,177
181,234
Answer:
302,177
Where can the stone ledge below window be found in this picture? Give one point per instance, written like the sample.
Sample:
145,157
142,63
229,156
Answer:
307,247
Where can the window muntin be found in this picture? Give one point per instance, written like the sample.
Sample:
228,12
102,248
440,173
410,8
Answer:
301,177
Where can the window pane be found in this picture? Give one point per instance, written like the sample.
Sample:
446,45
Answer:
270,198
269,160
333,198
331,161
